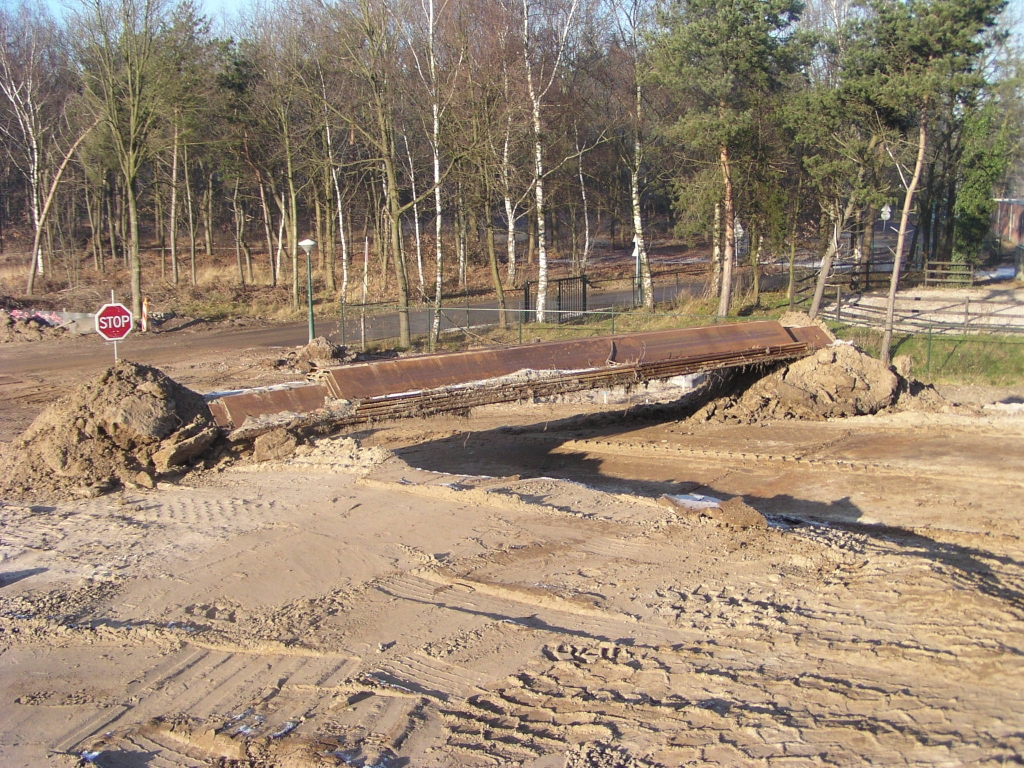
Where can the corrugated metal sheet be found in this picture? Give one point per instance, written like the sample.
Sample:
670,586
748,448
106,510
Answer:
429,384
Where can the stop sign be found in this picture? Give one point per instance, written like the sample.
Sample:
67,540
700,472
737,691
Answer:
113,322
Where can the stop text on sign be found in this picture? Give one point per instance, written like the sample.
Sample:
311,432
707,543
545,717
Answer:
113,322
120,321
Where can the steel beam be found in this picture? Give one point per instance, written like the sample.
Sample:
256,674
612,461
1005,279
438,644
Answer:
438,383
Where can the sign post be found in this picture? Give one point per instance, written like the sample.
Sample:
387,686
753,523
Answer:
113,323
308,245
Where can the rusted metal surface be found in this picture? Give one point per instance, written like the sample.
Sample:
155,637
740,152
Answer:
430,384
234,407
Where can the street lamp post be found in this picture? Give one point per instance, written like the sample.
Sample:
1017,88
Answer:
308,246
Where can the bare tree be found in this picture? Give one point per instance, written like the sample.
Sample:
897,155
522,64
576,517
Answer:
118,45
540,77
36,79
631,16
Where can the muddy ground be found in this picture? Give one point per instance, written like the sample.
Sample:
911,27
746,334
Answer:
510,589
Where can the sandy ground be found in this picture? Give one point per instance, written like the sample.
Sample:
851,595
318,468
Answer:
507,589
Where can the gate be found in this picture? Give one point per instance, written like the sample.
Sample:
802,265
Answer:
568,293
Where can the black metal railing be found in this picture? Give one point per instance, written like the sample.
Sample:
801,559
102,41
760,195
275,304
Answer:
567,299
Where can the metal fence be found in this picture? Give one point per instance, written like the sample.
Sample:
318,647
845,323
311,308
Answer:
941,356
375,326
567,297
1000,359
939,350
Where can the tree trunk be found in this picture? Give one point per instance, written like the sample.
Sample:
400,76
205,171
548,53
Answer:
493,258
460,235
730,233
158,215
173,223
416,222
96,226
133,248
190,209
638,233
342,238
838,226
908,203
111,225
404,331
208,219
716,252
435,330
756,243
531,238
267,232
239,233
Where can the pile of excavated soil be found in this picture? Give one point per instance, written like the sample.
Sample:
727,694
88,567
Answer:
836,381
319,353
14,329
328,454
127,426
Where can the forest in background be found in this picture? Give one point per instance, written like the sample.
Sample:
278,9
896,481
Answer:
423,131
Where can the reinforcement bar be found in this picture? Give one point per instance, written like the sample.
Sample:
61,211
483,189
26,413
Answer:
430,384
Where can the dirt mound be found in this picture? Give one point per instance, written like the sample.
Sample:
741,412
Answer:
837,381
31,329
125,426
328,454
319,353
918,397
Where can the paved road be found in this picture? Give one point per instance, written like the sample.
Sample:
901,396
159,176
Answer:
87,355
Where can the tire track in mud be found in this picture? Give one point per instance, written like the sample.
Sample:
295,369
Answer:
803,461
679,639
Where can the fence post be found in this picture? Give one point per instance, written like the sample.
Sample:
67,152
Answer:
521,325
967,312
613,320
839,303
928,362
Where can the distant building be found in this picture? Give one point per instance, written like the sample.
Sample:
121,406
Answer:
1009,221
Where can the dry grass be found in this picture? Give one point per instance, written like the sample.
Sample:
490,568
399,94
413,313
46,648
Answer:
218,292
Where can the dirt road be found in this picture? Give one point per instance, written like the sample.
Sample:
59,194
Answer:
202,356
507,589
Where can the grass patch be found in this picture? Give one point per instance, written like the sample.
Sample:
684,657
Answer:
987,359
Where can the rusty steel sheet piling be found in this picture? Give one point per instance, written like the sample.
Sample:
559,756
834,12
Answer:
454,381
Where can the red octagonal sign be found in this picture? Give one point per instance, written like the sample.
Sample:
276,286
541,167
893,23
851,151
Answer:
113,322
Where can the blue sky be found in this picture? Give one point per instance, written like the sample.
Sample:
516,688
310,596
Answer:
224,10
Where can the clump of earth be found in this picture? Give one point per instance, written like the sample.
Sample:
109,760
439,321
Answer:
337,454
596,754
17,329
228,749
319,353
129,425
835,382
